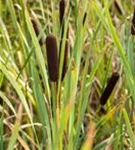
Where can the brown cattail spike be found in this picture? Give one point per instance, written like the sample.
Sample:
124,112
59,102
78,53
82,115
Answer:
109,88
133,24
61,10
37,31
52,58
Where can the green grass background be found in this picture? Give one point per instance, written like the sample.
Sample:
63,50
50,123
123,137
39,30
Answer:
37,114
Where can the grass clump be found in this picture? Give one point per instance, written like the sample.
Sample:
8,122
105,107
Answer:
67,75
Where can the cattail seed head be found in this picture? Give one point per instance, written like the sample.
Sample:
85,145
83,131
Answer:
61,10
109,88
37,31
52,58
133,24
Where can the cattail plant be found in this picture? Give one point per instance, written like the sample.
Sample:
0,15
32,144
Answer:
133,24
52,58
37,31
61,10
61,16
109,88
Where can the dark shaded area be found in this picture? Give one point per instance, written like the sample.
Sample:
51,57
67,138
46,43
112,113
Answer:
133,24
61,10
109,88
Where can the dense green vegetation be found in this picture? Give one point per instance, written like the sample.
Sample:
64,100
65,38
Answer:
67,75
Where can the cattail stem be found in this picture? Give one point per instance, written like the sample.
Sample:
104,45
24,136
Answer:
52,57
109,88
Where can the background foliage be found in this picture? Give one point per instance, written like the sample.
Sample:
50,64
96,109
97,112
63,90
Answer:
38,114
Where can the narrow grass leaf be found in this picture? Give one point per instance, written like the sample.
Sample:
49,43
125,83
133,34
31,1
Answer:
65,63
38,52
129,127
37,31
88,143
17,88
7,102
14,136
